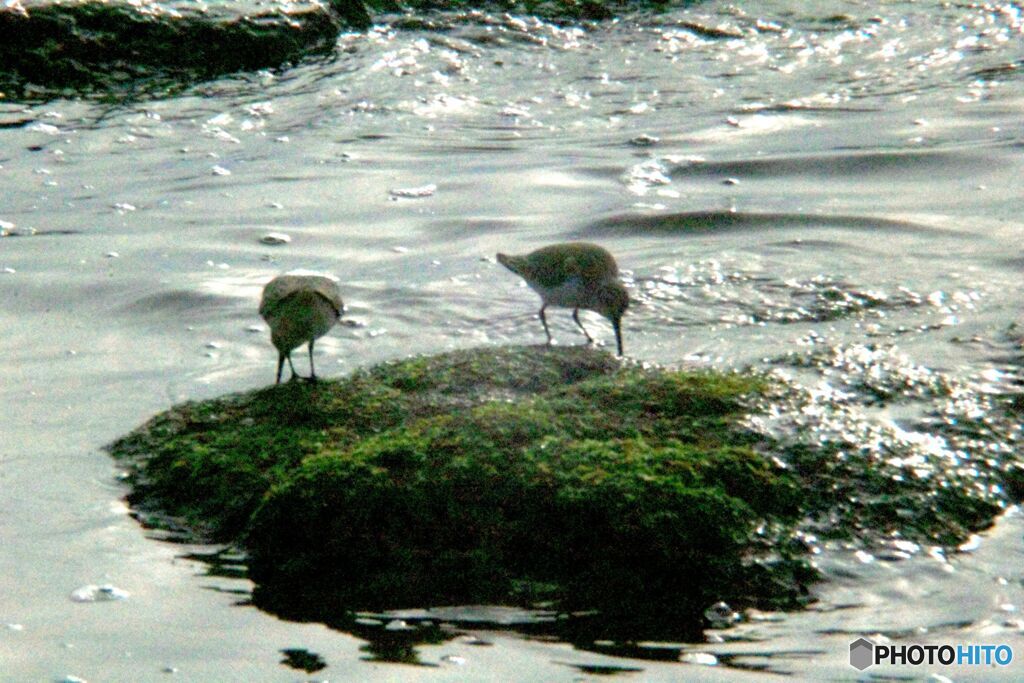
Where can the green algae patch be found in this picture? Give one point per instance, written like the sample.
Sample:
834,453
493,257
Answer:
502,475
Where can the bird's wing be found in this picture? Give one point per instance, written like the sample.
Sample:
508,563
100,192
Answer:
595,263
332,298
553,269
283,287
586,267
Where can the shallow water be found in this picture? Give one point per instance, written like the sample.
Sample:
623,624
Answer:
804,174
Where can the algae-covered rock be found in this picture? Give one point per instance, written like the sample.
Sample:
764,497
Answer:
506,474
96,46
532,474
120,49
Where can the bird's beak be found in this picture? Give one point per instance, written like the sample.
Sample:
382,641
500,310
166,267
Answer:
617,326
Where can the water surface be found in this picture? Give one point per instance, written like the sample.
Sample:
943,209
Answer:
748,166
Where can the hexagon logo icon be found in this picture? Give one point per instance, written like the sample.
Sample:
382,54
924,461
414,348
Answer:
862,654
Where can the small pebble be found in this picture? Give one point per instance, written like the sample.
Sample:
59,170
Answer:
473,640
44,128
730,181
644,140
93,593
703,658
275,238
414,192
220,170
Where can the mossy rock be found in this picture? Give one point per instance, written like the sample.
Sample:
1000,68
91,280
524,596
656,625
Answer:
114,50
498,474
100,48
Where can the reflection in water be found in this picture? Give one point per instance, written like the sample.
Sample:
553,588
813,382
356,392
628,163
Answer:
599,670
303,660
398,635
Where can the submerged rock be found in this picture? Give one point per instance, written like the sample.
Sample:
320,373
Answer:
121,49
94,46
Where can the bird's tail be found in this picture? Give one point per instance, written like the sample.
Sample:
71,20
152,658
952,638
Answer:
514,263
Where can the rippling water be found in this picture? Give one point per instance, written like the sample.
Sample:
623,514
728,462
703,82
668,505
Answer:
773,176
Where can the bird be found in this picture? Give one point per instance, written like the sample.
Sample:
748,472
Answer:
300,307
574,275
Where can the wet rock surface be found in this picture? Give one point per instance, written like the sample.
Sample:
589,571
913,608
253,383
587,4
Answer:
511,475
557,476
121,50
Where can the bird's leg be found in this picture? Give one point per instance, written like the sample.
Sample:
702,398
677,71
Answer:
544,321
312,370
576,317
290,365
280,366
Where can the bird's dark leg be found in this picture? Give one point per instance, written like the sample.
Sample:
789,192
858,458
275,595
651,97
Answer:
280,366
576,317
544,321
617,324
312,370
290,365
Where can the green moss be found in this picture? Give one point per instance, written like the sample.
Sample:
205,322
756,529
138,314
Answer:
490,474
532,473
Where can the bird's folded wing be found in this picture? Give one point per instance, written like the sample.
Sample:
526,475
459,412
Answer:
279,290
332,298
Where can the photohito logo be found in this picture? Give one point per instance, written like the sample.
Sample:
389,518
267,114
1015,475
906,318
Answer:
864,653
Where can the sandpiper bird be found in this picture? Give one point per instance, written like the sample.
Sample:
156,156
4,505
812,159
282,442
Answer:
574,275
300,307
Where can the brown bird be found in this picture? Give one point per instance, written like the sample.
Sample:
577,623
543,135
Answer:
300,307
574,275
